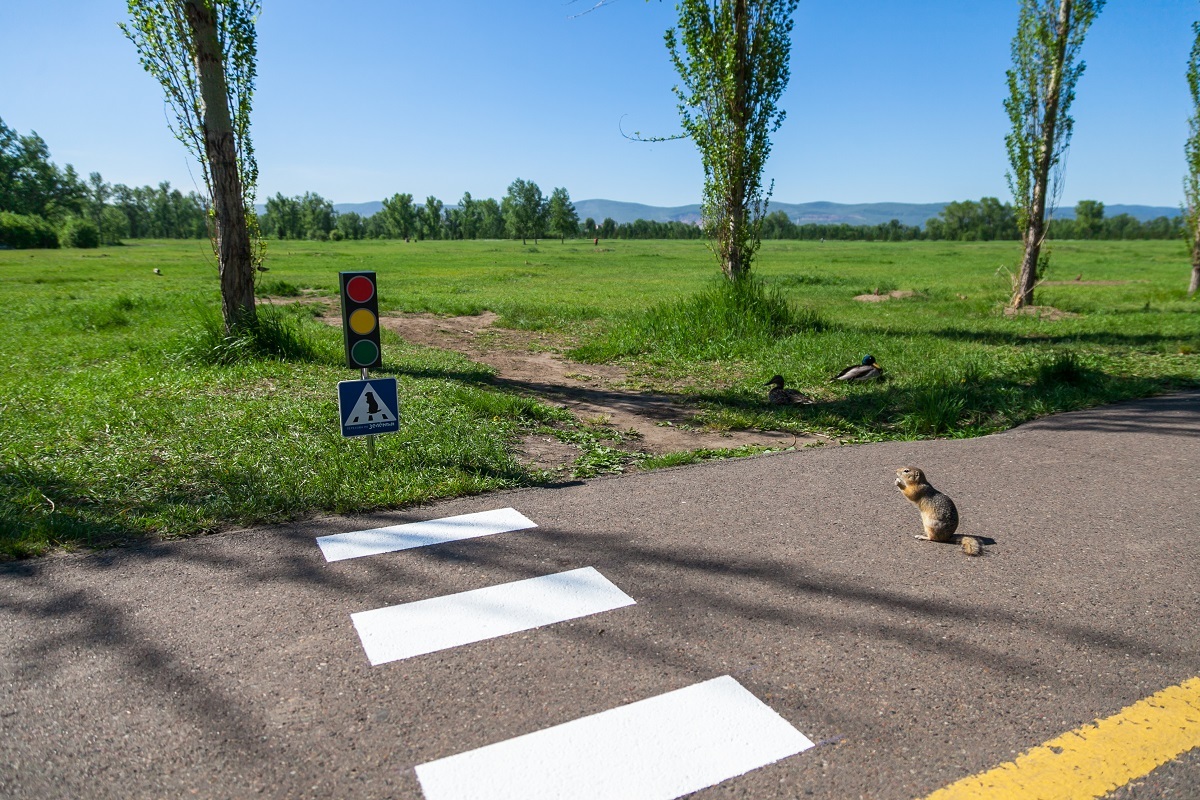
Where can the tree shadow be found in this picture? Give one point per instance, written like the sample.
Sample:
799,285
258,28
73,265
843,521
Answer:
790,599
1001,338
1166,415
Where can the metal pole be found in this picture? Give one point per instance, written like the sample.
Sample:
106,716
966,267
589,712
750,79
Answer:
370,436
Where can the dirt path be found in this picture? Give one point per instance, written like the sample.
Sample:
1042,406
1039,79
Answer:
526,362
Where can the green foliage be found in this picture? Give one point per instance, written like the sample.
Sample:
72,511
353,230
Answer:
1041,88
79,232
399,216
733,60
1191,181
1191,149
113,225
32,185
298,217
203,55
160,212
561,214
163,38
430,218
968,221
525,210
21,231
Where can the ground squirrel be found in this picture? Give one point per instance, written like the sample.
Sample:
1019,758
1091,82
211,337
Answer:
938,514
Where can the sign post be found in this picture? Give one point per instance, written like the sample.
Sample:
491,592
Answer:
371,405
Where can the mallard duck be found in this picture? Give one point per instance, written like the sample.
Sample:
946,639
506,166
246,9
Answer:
868,370
780,396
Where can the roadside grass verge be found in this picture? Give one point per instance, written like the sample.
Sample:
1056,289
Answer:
126,414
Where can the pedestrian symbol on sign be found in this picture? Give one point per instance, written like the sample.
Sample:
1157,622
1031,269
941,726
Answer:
368,407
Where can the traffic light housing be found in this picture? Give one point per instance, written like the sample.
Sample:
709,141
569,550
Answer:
360,320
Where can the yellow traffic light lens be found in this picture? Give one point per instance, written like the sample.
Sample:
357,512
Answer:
362,321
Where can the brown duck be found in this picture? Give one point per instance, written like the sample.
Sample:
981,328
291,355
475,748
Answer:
781,396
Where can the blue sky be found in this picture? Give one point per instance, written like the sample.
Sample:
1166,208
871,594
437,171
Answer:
888,101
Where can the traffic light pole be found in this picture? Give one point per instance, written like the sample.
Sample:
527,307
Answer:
370,437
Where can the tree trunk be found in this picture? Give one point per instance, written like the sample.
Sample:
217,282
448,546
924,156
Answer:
1035,228
1027,278
734,262
232,238
1195,283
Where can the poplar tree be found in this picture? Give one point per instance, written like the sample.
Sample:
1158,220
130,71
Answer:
1191,149
525,210
202,53
561,213
732,57
1041,87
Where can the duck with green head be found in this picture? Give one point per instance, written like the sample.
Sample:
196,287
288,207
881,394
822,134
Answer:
868,370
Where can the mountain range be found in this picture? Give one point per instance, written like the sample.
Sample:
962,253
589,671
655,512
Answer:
800,213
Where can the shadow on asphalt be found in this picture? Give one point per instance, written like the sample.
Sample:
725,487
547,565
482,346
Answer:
1170,415
785,593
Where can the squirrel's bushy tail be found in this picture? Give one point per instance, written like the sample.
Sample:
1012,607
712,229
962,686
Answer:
970,545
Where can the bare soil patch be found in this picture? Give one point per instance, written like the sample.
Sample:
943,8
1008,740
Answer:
530,362
1040,312
1081,282
876,297
306,296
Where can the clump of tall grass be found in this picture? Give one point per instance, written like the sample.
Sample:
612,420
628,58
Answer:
727,319
104,315
935,409
273,335
277,288
1064,367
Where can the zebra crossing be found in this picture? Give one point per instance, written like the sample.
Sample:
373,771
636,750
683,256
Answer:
658,748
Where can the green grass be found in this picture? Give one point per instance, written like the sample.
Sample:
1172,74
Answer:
125,413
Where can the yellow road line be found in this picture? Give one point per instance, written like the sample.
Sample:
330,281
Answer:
1095,759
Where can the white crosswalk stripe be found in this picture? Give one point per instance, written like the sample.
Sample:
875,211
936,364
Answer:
425,626
655,749
355,544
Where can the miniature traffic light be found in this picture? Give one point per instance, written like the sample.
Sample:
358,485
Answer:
360,319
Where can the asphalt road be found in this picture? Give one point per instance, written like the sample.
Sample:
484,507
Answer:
227,666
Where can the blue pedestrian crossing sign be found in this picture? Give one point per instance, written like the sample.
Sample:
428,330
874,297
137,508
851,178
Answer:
368,407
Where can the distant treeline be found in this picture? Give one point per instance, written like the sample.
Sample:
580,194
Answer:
313,217
983,221
42,205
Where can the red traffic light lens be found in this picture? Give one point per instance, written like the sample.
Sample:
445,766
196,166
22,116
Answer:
360,289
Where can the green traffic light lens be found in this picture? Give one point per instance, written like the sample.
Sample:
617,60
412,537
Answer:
364,353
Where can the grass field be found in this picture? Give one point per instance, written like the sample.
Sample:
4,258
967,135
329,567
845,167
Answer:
115,425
